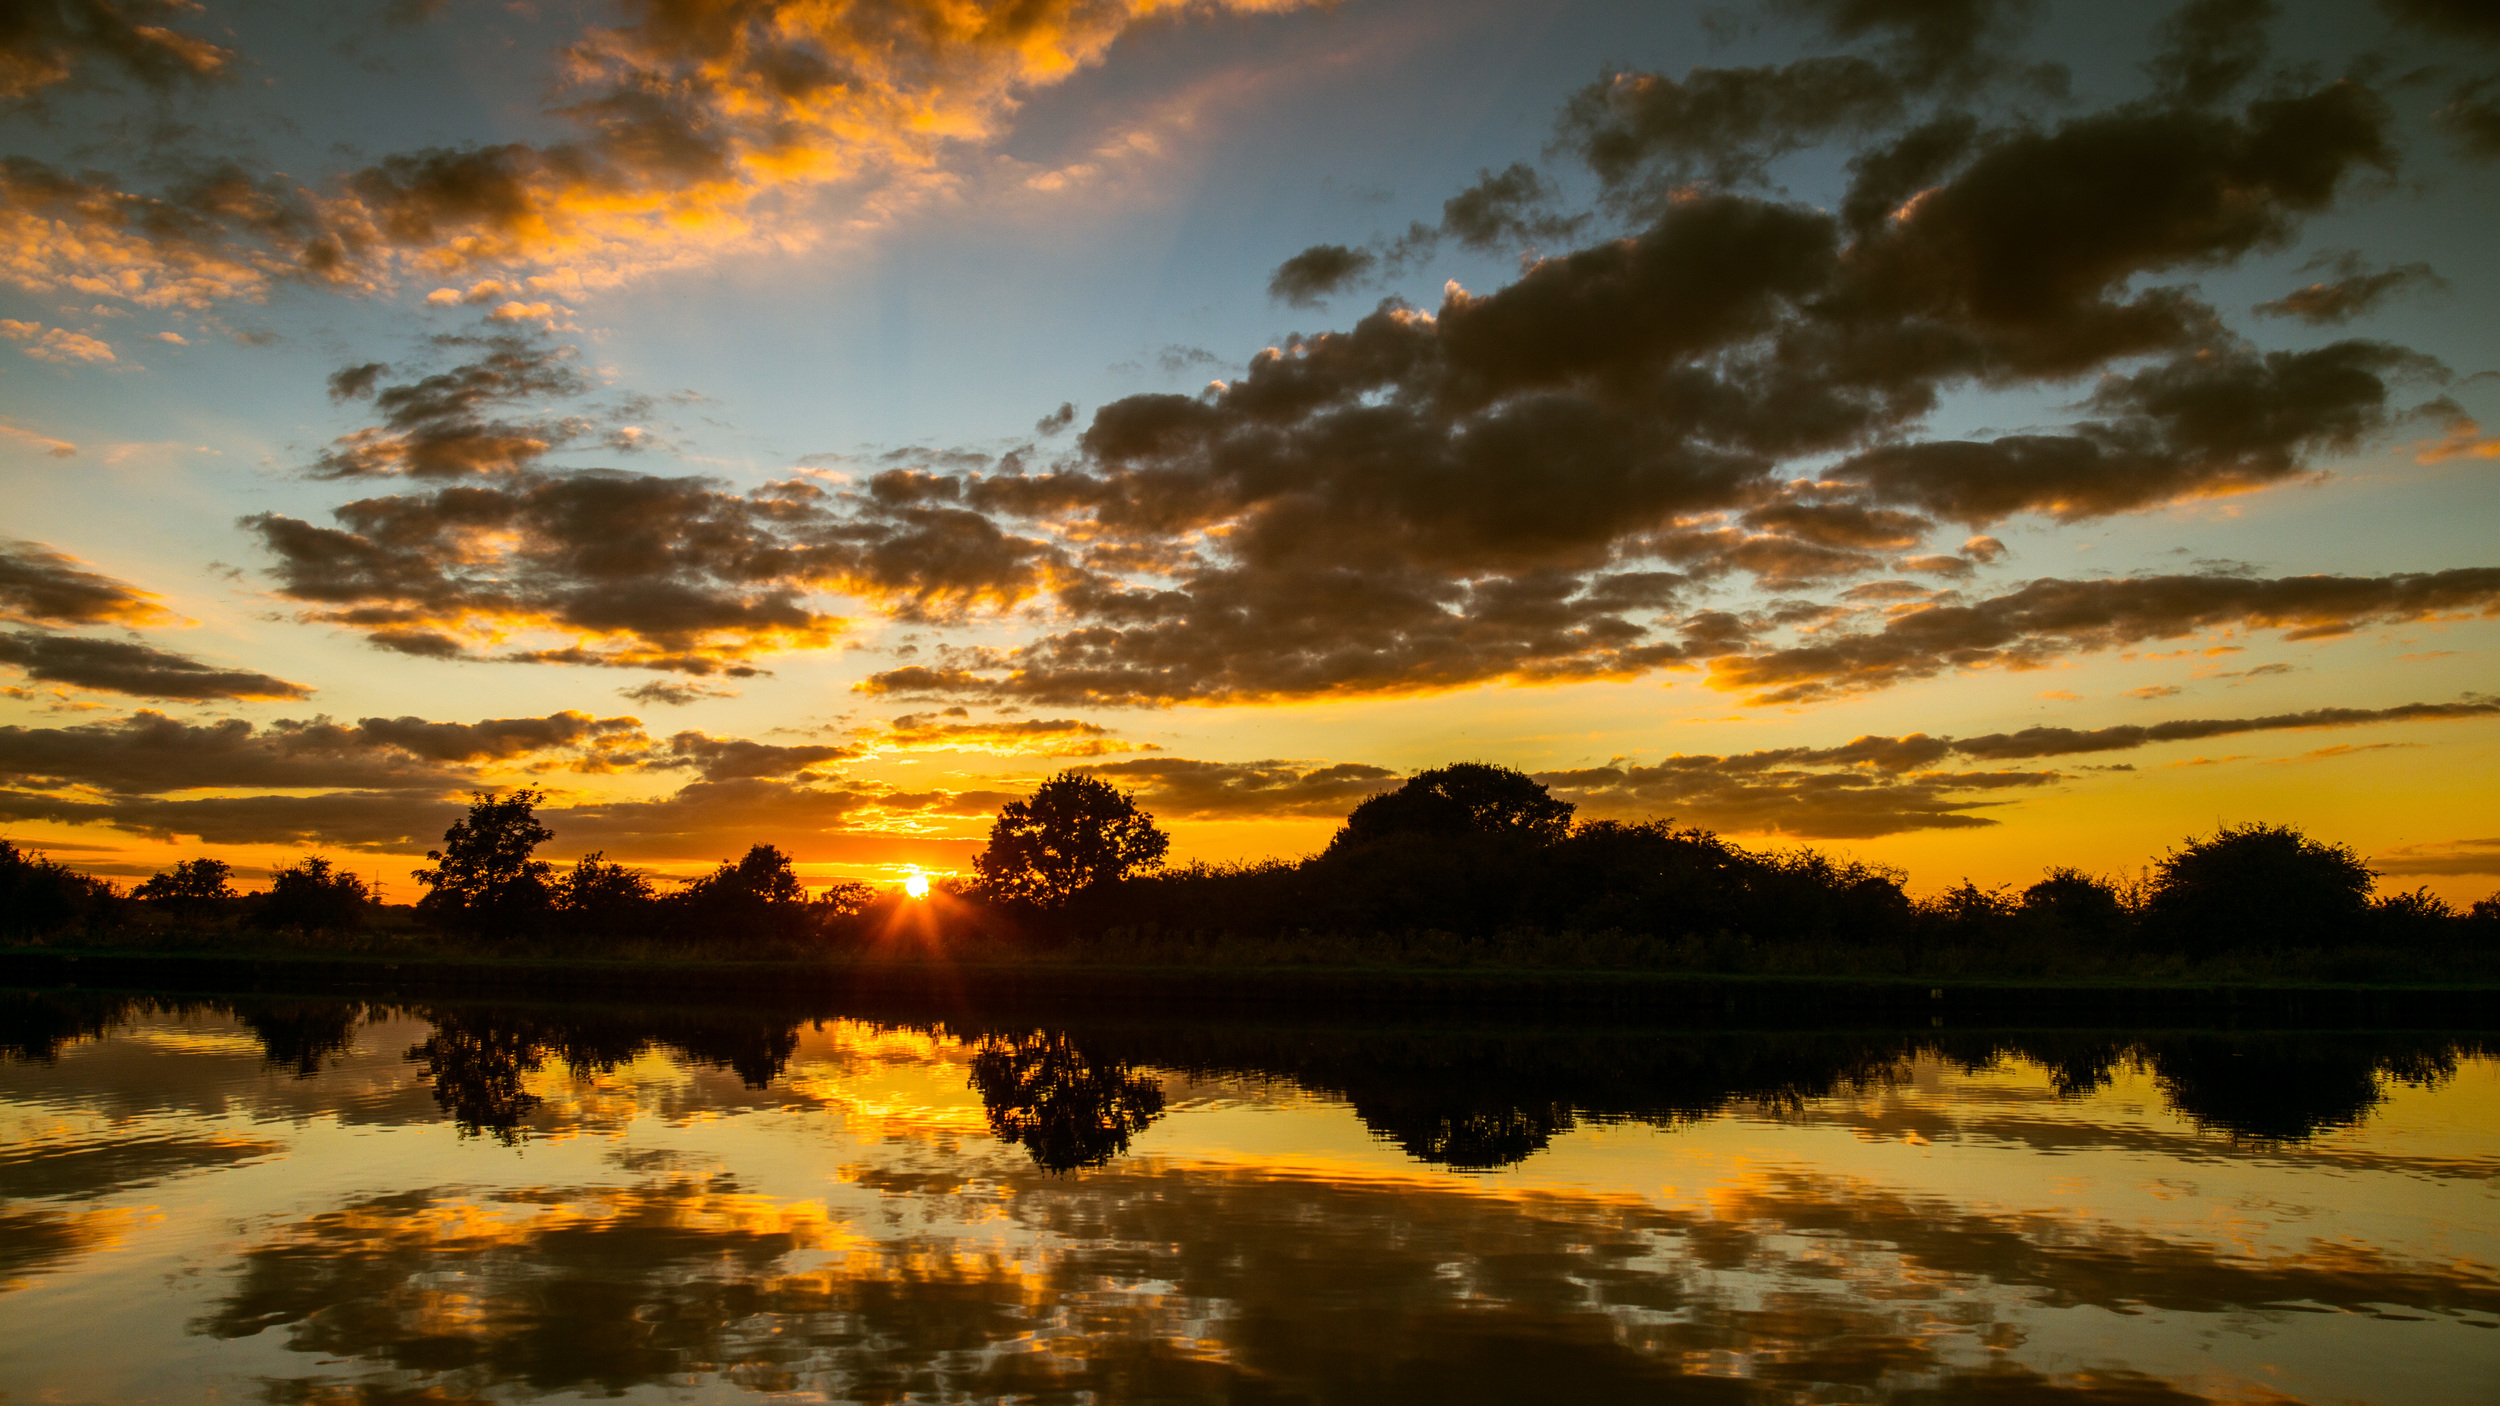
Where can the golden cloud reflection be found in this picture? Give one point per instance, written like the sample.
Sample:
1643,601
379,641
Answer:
647,1203
1165,1282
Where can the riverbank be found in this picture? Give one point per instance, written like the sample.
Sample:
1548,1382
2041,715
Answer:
1039,983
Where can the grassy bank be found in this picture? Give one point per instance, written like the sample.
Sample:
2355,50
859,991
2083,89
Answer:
1076,977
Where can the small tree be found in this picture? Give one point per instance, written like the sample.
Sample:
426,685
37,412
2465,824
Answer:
1075,835
758,897
313,896
485,879
1468,798
2072,903
41,895
191,887
607,899
2264,886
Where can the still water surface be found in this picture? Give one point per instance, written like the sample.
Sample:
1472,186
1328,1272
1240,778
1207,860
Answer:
316,1202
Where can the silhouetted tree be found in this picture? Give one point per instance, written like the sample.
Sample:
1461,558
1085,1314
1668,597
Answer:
2071,903
599,899
39,895
1075,835
190,889
1067,1106
2260,886
1468,798
756,898
485,879
475,1064
302,1035
313,896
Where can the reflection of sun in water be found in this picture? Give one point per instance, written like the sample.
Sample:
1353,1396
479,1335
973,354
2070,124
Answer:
916,883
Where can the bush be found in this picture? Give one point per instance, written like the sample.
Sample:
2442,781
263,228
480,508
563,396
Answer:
1468,798
193,888
2072,904
313,896
596,899
40,896
2258,887
757,899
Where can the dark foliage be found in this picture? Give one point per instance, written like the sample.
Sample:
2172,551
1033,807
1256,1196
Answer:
1068,1105
40,896
1072,838
758,899
2257,886
190,889
313,896
1458,801
485,880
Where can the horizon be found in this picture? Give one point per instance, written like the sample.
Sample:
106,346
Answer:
1967,435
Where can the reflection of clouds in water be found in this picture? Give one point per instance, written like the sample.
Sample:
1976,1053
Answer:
1151,1282
34,1240
856,1226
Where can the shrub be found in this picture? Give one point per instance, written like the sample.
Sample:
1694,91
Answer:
40,896
1468,798
2071,903
313,896
755,899
192,888
2258,887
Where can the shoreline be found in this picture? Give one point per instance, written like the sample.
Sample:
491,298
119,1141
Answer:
1720,998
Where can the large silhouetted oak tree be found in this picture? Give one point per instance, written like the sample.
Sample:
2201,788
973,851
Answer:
1073,836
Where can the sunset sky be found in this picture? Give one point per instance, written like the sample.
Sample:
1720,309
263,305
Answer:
1973,435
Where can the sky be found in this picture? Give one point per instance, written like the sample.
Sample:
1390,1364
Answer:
1970,435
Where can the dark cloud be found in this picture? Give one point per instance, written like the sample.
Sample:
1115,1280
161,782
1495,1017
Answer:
2199,425
38,584
2050,619
1506,208
1047,737
2210,48
436,426
151,754
1929,40
1310,277
2354,290
2463,19
672,693
1056,420
46,42
739,759
2061,741
1757,794
394,821
665,573
1179,789
121,666
1646,135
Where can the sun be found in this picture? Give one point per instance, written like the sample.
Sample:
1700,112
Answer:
916,883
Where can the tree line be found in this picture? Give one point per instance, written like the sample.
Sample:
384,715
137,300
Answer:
1463,857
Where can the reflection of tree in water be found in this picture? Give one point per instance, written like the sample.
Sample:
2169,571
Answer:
478,1060
2286,1088
1069,1106
302,1035
1306,1288
34,1025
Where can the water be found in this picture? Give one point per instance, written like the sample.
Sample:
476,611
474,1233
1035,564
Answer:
312,1202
